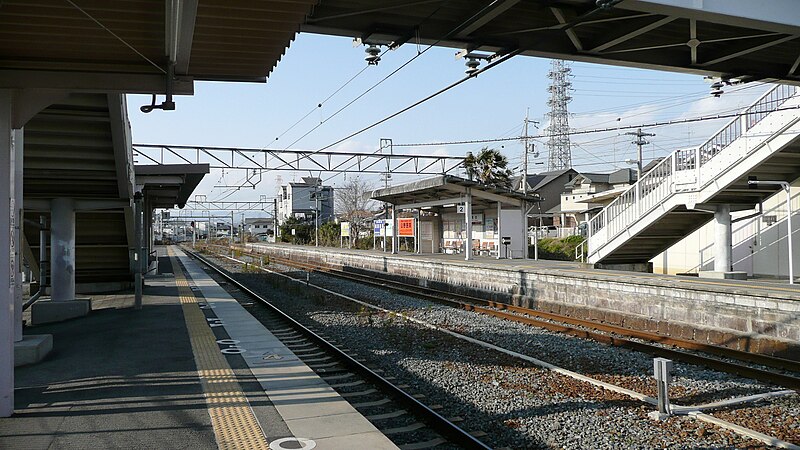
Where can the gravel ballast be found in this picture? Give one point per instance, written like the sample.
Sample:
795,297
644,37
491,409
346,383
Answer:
518,405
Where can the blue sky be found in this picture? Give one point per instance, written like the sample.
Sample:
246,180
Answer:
489,106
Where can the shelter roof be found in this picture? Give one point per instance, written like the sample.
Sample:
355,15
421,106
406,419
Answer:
445,189
167,185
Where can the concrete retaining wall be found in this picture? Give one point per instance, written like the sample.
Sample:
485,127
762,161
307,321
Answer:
741,320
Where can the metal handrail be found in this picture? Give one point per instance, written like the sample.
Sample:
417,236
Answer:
656,186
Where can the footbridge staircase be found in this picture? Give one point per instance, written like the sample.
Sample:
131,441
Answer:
680,194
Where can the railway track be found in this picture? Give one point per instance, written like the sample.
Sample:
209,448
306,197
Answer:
646,342
390,407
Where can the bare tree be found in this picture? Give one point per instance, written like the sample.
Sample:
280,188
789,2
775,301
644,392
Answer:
354,205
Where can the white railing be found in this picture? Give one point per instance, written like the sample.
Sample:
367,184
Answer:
680,172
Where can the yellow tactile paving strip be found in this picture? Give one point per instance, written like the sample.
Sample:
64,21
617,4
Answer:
235,425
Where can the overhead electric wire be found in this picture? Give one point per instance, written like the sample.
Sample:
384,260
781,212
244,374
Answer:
392,73
419,53
679,99
590,131
124,42
320,104
419,102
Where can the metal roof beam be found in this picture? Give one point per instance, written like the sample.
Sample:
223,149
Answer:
313,19
130,83
632,34
559,15
749,50
180,21
484,16
432,203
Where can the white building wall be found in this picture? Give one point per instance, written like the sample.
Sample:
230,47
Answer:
486,231
758,248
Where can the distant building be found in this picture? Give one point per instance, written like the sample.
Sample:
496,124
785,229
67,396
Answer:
259,226
548,186
298,200
587,193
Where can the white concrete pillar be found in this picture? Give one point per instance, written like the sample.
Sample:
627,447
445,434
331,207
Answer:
18,219
499,233
62,249
722,239
468,225
7,254
395,237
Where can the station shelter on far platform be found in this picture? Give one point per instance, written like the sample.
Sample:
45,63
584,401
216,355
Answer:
449,214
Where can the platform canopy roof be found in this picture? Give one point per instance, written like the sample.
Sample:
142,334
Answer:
733,38
168,185
128,46
445,190
131,45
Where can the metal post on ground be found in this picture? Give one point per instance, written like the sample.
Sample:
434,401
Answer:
498,231
7,263
137,221
417,248
395,238
662,372
468,227
787,188
144,254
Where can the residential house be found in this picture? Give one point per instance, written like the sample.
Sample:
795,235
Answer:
587,193
259,226
548,186
301,200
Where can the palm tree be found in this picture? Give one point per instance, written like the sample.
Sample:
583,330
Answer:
489,167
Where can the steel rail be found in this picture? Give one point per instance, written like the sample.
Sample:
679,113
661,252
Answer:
439,423
543,320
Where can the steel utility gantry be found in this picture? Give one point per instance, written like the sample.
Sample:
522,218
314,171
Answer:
264,159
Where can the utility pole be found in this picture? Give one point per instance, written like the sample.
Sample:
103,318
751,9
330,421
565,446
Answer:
525,157
317,197
385,177
528,147
640,141
275,220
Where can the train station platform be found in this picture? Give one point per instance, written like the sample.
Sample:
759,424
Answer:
754,315
159,377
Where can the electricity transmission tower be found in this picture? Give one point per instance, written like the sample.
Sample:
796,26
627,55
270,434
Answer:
560,155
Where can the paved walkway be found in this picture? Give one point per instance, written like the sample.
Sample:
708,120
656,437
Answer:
156,378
